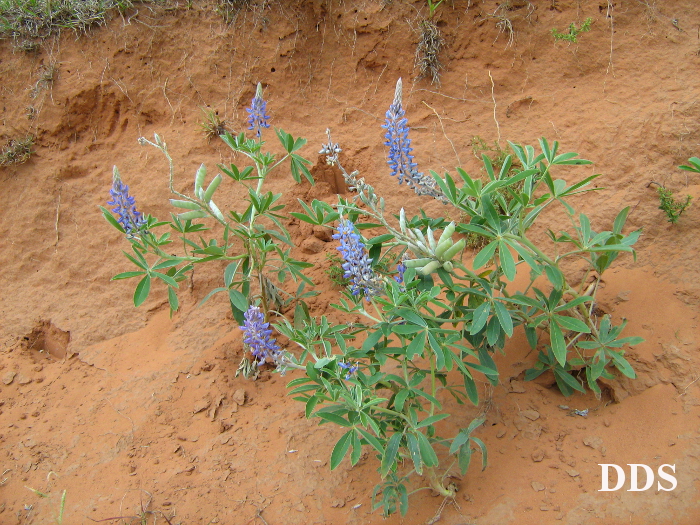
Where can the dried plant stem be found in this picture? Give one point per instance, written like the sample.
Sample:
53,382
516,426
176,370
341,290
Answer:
493,97
459,161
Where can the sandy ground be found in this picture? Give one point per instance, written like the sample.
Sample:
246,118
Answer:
128,411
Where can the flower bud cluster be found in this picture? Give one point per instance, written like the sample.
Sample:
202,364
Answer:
432,254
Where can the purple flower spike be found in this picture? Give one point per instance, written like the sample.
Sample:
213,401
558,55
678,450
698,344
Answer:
400,159
257,118
131,220
357,265
257,336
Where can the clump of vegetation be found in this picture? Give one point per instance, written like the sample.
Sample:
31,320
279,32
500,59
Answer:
213,125
574,31
30,21
672,207
429,45
17,151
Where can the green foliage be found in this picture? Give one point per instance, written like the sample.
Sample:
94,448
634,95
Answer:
254,241
213,125
17,151
29,20
429,332
574,31
672,207
433,7
452,315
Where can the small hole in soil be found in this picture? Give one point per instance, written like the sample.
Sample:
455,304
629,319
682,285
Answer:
46,340
272,69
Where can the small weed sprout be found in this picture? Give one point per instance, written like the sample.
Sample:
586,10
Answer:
574,31
213,126
17,151
672,207
46,494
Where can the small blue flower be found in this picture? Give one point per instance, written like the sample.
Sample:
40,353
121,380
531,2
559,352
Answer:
131,220
257,336
357,265
400,268
257,118
351,369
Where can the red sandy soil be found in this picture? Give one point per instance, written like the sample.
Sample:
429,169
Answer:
128,410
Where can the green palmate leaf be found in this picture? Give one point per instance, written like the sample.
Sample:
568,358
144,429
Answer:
414,451
110,219
571,323
438,351
485,254
172,299
356,449
427,453
558,343
504,318
415,348
484,452
392,448
126,275
481,315
334,418
564,377
471,389
166,279
371,439
142,290
507,261
432,420
310,405
622,365
340,449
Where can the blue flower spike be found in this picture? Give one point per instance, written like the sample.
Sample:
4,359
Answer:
257,112
357,265
130,219
257,336
400,158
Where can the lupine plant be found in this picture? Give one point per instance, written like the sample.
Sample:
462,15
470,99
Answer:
254,240
429,329
444,314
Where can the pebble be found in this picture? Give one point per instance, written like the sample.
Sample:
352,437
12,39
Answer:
239,396
537,486
9,377
532,415
537,456
573,473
